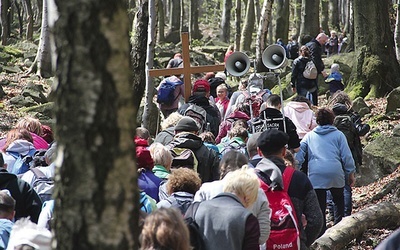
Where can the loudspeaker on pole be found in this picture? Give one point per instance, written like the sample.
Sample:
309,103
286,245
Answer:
237,64
274,57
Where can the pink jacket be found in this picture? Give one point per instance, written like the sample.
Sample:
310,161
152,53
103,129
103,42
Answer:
302,117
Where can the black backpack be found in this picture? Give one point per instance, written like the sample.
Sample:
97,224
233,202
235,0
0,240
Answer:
345,124
293,50
196,236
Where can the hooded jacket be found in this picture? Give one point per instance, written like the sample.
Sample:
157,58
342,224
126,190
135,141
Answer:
165,136
335,82
329,157
226,125
271,118
18,146
213,115
208,160
27,202
303,197
302,117
316,54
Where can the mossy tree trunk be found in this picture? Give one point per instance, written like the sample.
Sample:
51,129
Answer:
376,71
226,21
248,27
96,185
309,18
282,20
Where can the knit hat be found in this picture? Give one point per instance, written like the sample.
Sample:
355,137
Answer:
201,85
221,75
272,140
187,124
335,68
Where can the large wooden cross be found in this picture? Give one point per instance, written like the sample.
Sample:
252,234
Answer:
187,69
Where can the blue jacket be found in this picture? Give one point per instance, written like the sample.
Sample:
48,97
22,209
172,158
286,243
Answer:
5,230
329,157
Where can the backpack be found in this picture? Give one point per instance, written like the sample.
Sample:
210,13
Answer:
284,223
233,145
183,158
199,114
43,185
145,204
165,94
182,205
22,162
254,101
293,50
196,236
310,71
344,123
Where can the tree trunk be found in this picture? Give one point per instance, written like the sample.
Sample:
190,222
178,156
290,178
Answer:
226,21
175,15
383,215
334,15
248,27
194,20
297,16
96,195
43,56
5,7
349,29
257,10
138,53
161,21
29,26
150,111
38,12
238,19
309,18
377,71
282,20
325,16
262,32
397,31
17,7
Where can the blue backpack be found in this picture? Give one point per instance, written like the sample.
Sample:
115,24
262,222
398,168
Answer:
165,94
22,162
145,204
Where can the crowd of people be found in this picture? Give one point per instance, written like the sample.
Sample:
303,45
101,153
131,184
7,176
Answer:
227,164
217,172
26,183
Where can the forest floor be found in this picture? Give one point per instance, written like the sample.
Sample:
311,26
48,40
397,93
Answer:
14,83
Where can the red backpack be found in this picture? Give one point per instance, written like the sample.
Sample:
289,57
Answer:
284,224
255,101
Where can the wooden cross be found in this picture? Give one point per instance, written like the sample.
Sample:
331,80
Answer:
187,69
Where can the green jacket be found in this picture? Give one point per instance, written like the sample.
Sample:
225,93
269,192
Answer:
161,172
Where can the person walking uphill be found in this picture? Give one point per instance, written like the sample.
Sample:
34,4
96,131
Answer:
186,137
315,46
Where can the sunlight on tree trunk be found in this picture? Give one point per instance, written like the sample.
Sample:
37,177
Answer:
96,194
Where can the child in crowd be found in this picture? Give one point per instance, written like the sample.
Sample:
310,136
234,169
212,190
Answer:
334,80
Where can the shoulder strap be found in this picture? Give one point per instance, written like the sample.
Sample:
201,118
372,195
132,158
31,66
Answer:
192,210
287,177
38,173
